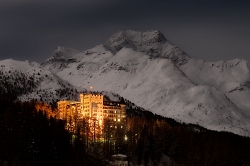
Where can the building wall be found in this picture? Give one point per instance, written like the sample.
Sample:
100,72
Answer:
70,111
92,106
115,112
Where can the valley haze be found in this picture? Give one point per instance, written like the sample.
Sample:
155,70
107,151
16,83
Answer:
148,70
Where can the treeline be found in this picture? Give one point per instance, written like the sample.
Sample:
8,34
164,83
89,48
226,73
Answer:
150,139
18,84
15,83
29,137
151,136
101,141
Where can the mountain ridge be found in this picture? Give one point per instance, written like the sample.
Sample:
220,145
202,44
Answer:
146,69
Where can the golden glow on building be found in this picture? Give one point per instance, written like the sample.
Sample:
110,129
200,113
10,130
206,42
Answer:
92,107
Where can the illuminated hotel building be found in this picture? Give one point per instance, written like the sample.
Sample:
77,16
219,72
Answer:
93,107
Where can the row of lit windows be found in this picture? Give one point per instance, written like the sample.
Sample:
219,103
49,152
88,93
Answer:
94,110
96,97
105,111
112,112
111,107
113,116
98,102
87,106
100,111
118,120
109,115
116,126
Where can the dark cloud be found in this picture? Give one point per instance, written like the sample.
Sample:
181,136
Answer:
209,30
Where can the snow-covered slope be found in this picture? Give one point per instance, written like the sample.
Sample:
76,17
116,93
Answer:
231,77
146,69
32,82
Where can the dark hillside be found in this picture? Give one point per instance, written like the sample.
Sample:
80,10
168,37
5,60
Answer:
29,137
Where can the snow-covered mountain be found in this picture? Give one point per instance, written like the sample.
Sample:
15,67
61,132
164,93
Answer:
146,69
32,82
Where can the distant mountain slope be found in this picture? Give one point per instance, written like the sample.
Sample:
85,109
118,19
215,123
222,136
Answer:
230,77
146,69
28,82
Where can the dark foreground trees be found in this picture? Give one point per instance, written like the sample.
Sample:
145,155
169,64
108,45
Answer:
152,136
28,137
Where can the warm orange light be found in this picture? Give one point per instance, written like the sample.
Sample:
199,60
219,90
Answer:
90,87
95,114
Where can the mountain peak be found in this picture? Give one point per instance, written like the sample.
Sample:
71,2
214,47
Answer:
135,40
152,43
65,53
119,40
145,38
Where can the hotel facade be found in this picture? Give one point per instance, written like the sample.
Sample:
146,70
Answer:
93,107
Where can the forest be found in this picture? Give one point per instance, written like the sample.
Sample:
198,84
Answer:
31,137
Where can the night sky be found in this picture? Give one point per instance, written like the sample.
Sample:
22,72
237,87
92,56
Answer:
211,30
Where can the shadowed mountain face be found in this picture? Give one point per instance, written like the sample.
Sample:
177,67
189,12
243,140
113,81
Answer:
151,43
146,69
